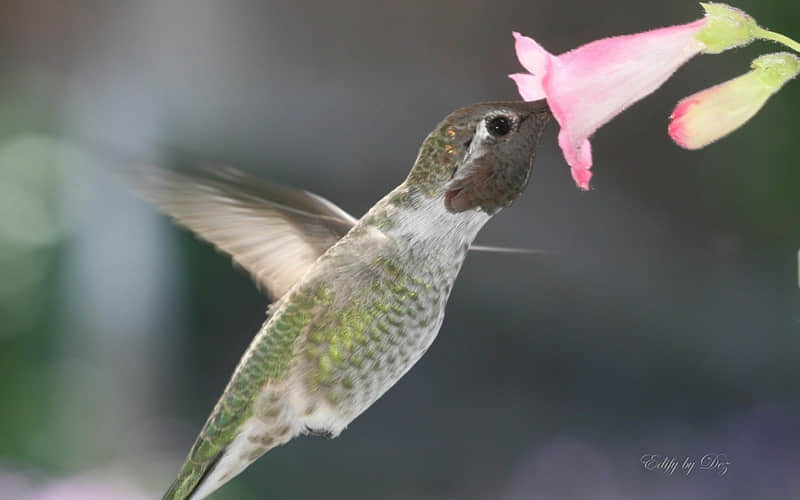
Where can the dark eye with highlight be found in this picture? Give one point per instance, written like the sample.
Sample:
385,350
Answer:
499,125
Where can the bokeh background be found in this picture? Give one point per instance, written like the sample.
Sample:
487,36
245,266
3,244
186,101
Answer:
664,320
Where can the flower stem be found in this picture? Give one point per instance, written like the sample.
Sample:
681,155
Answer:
777,37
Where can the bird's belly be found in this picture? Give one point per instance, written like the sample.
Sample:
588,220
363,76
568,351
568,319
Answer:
304,403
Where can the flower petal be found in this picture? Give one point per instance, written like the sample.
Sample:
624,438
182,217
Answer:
531,55
579,159
581,177
529,86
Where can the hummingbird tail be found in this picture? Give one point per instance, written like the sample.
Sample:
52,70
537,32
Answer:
192,474
208,466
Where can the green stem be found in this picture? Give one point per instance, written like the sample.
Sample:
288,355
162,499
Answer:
777,37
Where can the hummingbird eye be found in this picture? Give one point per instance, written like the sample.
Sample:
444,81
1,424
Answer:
499,125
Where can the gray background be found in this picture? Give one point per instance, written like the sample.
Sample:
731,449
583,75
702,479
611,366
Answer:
665,319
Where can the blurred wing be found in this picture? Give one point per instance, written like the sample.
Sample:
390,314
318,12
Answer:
274,232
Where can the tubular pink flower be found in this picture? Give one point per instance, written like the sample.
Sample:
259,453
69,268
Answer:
588,86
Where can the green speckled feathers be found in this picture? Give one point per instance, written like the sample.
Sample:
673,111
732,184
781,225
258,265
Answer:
267,360
371,336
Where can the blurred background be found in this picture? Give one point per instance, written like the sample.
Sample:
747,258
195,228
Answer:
666,319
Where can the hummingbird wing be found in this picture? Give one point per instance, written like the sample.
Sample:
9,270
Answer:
274,232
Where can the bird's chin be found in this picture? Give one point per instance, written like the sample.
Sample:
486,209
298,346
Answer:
467,198
482,189
455,201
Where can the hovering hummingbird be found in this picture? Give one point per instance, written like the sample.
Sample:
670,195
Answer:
357,302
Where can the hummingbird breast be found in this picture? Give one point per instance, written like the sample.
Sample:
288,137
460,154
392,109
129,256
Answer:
387,283
365,345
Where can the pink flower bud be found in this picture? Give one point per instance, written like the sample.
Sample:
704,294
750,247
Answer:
713,113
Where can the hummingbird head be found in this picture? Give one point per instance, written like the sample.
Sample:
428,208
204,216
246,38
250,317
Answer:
480,157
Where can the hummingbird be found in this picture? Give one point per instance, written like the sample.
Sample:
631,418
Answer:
356,301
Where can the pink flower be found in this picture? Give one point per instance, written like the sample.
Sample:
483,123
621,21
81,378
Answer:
588,86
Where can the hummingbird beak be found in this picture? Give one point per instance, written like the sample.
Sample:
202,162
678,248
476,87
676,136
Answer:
536,118
536,108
